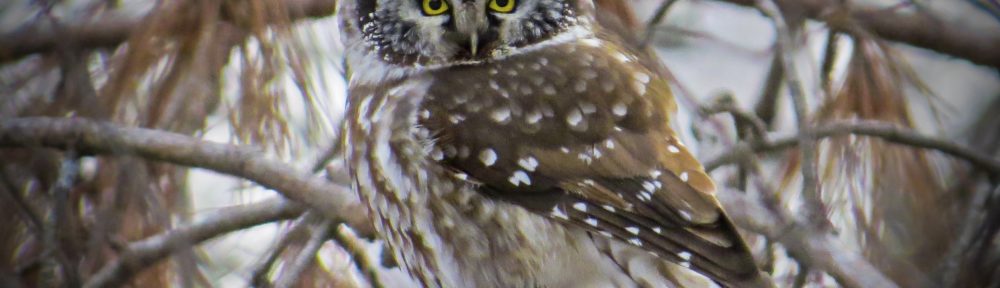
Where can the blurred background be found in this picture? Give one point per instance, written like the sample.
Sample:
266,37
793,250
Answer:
269,74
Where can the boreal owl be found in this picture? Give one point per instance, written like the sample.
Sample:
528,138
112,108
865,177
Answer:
524,143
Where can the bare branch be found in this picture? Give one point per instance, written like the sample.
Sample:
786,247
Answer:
885,131
658,16
31,219
334,201
144,253
976,214
354,245
814,247
811,190
259,276
113,29
917,29
741,117
320,233
57,228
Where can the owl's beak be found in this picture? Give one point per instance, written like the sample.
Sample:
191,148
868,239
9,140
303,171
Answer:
474,43
470,21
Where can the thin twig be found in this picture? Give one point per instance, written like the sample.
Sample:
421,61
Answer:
112,29
741,117
31,218
355,246
658,16
950,38
94,137
146,252
767,107
950,267
830,54
802,276
814,208
59,229
260,276
320,233
816,247
885,131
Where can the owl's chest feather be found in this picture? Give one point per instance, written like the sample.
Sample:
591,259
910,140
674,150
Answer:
440,227
415,142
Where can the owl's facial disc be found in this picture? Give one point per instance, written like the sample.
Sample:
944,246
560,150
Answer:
428,32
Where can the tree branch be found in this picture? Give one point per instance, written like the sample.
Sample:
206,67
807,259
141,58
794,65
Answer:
359,254
141,254
812,193
259,276
882,130
113,29
92,137
916,29
814,247
319,234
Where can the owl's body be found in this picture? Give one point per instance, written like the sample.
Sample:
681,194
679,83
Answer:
540,155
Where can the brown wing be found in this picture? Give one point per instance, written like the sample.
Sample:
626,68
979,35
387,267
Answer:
585,140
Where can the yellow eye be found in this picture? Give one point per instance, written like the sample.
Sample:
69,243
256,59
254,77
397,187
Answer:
503,6
434,7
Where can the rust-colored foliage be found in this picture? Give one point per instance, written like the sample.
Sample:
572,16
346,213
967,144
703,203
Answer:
893,194
169,75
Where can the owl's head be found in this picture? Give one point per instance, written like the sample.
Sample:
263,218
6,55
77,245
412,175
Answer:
430,32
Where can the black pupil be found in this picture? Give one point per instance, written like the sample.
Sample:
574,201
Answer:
434,4
502,3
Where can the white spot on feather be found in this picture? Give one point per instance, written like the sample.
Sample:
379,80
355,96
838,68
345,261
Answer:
649,186
645,196
684,176
580,206
520,177
592,42
574,118
591,221
673,149
642,77
685,255
640,88
549,90
622,57
633,230
456,118
559,213
587,107
686,215
488,157
501,115
635,241
655,173
529,163
619,109
533,117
